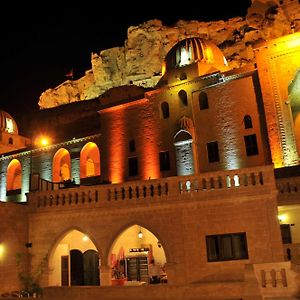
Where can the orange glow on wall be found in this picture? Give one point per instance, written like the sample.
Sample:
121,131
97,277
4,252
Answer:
61,169
117,149
90,161
14,175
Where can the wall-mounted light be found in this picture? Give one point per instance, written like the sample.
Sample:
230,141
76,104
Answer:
282,218
140,234
85,238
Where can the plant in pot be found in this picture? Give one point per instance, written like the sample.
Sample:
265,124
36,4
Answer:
30,280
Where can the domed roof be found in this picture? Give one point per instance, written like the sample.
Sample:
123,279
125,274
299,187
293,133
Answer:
194,49
7,123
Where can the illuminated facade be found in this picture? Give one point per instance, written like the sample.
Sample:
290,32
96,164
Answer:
201,164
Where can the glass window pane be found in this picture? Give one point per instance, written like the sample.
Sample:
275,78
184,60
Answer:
239,246
225,247
212,249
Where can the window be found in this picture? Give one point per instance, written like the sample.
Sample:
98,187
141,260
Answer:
10,141
286,233
132,146
251,144
183,97
133,166
247,122
183,76
165,110
164,160
203,101
213,152
226,247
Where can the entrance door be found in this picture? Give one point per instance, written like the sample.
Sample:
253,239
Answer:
65,270
91,267
76,267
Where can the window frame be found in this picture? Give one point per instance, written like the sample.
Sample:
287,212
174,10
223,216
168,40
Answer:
251,145
216,241
164,161
133,170
213,153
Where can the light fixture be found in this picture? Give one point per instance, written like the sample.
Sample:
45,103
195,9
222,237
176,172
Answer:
140,234
85,238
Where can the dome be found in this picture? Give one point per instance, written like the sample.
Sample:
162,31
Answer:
7,123
192,50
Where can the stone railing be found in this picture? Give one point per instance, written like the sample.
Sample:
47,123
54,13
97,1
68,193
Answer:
288,185
137,192
276,279
288,190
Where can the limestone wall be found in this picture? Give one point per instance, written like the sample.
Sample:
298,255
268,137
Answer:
139,61
14,235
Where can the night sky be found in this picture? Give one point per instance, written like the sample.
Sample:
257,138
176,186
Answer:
41,44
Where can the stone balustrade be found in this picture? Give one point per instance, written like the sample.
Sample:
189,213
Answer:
164,189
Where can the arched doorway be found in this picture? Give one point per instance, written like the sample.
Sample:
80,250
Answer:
74,261
61,167
14,177
183,143
131,255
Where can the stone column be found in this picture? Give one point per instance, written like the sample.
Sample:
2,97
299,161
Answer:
105,275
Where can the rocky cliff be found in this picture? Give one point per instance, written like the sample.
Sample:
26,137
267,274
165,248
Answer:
139,61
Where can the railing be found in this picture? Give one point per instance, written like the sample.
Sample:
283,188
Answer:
288,185
171,188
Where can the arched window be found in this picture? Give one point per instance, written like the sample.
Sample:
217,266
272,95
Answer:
247,122
14,176
61,167
90,160
10,141
203,101
183,97
165,110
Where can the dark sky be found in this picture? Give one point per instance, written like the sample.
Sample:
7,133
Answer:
40,44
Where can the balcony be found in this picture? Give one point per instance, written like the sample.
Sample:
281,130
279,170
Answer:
203,187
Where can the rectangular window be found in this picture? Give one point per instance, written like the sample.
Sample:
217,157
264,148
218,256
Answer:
133,166
213,151
251,144
286,233
226,247
164,161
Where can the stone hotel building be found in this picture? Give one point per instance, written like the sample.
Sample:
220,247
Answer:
182,146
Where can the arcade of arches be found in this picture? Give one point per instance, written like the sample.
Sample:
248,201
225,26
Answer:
75,260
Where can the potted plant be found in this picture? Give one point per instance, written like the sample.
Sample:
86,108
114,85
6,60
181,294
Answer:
118,277
30,280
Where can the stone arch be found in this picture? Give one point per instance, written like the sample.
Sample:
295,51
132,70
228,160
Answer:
117,250
61,247
90,160
183,142
14,175
61,165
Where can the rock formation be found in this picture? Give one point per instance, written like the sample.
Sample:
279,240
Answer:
139,61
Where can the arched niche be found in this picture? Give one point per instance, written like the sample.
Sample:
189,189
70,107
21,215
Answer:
183,141
14,176
61,166
90,161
